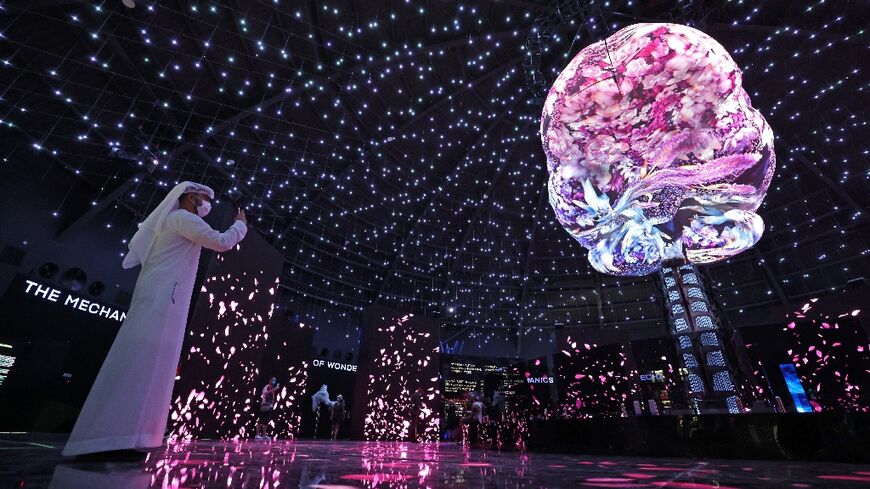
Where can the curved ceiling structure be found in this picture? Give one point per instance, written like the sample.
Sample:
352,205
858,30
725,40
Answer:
391,149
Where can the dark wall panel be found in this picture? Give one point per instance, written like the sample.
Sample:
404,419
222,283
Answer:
56,342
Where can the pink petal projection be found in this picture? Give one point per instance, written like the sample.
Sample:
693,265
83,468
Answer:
655,152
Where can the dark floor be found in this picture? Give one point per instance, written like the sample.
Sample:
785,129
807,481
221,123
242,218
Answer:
34,461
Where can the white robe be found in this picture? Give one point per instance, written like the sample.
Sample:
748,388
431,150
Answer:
129,403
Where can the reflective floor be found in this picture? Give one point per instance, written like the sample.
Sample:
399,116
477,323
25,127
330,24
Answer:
28,461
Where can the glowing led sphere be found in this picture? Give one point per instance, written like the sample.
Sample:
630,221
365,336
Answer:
654,151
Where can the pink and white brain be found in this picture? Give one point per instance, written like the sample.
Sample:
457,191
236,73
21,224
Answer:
654,151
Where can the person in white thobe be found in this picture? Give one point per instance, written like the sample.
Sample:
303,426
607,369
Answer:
128,405
320,398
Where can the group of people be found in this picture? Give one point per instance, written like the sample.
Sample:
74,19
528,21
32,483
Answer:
486,422
320,400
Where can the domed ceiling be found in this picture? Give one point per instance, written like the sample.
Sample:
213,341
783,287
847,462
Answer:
391,149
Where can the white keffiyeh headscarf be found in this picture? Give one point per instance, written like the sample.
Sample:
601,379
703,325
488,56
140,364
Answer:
143,240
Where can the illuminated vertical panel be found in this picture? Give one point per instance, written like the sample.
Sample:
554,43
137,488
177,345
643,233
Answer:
288,358
828,347
826,341
592,379
7,360
398,353
217,391
695,327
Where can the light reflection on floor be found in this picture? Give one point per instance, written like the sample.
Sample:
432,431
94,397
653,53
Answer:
36,463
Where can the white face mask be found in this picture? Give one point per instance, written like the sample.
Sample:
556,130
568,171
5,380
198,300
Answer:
203,208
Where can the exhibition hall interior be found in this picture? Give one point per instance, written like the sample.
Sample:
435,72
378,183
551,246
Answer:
430,244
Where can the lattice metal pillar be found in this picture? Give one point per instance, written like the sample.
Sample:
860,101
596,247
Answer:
697,332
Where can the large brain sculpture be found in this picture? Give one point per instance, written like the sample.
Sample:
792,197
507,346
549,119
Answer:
654,151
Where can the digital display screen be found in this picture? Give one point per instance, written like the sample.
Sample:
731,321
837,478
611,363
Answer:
592,378
234,345
399,354
483,376
795,388
824,347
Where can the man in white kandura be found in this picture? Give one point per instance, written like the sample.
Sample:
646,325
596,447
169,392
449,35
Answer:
128,405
